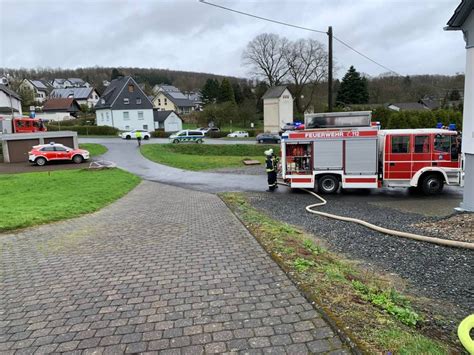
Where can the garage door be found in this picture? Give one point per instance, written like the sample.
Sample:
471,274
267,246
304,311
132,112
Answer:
67,141
18,150
173,127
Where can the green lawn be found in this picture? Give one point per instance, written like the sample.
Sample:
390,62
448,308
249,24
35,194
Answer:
204,156
93,148
35,198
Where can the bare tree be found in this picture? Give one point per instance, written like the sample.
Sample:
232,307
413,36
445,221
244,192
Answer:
265,54
307,61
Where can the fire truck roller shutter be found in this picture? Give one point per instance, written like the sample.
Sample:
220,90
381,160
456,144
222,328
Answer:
361,157
327,155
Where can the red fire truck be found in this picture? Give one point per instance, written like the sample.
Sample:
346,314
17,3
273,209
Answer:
346,150
21,125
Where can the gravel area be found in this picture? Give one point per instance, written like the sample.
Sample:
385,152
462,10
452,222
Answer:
458,227
434,271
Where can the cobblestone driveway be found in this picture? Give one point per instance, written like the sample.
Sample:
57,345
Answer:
163,269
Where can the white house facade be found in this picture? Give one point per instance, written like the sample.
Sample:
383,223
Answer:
126,120
169,121
125,106
8,100
463,19
277,108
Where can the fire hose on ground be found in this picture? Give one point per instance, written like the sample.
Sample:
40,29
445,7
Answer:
422,238
468,323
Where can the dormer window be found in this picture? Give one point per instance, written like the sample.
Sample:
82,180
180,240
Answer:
139,101
131,88
102,101
126,101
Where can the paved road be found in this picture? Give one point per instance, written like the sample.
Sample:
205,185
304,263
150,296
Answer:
163,269
128,157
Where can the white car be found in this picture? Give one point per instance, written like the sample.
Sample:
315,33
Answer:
133,134
238,134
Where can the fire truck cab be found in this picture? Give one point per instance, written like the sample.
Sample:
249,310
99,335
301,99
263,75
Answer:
360,155
21,125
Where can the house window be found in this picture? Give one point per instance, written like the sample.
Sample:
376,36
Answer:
102,116
145,126
131,88
126,116
126,101
139,101
107,115
127,127
159,102
166,101
140,115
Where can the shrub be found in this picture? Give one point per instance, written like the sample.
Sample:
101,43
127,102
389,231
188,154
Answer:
161,134
219,134
86,130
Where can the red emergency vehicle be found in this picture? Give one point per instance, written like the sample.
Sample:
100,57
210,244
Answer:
364,156
21,125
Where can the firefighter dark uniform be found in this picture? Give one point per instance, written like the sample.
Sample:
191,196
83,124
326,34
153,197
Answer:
271,165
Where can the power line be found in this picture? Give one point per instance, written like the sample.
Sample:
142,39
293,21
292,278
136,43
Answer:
366,57
301,28
262,18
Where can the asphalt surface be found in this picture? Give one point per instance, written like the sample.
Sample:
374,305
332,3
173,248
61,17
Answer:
431,270
188,278
127,156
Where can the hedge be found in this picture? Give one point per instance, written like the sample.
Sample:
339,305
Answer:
86,130
416,119
161,134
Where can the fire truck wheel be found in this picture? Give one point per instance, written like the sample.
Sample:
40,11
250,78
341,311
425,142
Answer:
432,184
176,141
40,161
78,159
146,138
328,184
128,137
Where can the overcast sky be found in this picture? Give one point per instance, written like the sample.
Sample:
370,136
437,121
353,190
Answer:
405,35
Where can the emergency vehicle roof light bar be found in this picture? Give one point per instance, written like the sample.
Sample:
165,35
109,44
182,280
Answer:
338,119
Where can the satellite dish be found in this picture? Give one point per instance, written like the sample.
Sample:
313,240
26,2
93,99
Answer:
4,81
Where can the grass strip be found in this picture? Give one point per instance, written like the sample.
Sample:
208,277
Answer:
35,198
204,156
366,306
94,148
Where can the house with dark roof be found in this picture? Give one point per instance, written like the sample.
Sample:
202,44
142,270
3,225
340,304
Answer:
9,100
125,106
59,109
169,121
277,108
170,98
83,95
426,104
60,83
41,88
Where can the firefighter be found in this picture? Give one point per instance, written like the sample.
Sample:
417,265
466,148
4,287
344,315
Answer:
138,134
271,164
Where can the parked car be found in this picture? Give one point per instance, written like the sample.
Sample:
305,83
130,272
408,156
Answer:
187,136
207,130
41,154
238,134
268,138
133,134
290,126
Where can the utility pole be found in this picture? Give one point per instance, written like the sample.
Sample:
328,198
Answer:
330,68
